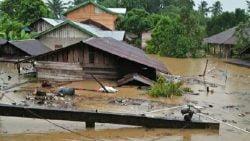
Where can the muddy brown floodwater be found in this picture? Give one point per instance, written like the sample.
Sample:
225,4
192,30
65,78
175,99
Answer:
229,101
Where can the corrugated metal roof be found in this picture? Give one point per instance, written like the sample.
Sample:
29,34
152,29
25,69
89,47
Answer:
225,37
125,51
118,35
118,10
3,41
53,22
31,47
117,48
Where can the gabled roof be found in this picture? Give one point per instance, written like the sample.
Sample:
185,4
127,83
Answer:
226,37
31,46
3,41
117,48
53,22
89,29
95,4
125,51
67,22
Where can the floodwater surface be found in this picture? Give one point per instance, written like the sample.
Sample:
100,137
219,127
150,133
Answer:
228,101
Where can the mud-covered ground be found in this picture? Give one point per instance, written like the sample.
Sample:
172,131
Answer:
228,101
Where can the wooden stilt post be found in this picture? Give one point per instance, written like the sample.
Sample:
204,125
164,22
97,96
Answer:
18,69
204,72
221,52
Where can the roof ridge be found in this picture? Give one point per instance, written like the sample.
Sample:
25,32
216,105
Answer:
20,40
89,2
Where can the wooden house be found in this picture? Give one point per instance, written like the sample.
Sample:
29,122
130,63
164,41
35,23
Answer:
44,24
91,10
222,43
22,48
105,58
70,32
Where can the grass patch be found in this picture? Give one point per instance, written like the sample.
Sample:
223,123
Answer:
165,88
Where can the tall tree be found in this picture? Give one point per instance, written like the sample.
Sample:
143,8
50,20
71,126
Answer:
24,10
56,7
225,21
243,37
203,8
177,37
248,6
135,21
216,8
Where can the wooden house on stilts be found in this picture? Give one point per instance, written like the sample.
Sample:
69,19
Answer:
105,58
222,43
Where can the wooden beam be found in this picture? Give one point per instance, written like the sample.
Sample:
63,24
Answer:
91,117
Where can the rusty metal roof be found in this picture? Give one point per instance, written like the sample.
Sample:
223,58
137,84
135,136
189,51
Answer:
125,51
31,46
3,41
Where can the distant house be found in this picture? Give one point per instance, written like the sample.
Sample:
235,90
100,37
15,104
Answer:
43,24
22,48
70,32
222,43
95,12
105,58
145,37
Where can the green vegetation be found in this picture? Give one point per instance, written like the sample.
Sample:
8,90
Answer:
16,15
24,11
164,88
56,8
179,37
243,37
178,29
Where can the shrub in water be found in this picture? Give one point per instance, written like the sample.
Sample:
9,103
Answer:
165,88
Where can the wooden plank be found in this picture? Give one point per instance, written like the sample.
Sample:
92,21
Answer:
60,57
86,56
71,56
81,54
76,56
65,56
102,117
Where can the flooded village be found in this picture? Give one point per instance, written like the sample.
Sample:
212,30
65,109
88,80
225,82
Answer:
90,73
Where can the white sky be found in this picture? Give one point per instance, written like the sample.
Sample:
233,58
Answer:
228,5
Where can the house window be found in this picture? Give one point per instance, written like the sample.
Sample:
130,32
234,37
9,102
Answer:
58,46
91,56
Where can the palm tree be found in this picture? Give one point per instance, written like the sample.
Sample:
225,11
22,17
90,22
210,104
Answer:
56,7
203,8
216,8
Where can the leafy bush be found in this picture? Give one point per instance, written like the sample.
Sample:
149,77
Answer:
164,88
